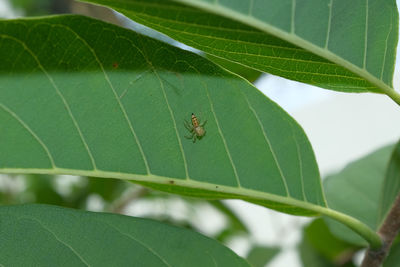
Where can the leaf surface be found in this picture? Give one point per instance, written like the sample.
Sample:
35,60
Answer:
326,43
82,97
41,235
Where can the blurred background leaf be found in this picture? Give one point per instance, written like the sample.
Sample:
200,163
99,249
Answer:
356,191
42,7
259,256
329,246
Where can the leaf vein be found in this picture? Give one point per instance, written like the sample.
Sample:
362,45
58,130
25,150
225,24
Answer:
300,165
386,46
220,132
138,241
115,95
283,178
365,35
174,122
328,31
16,117
58,239
58,93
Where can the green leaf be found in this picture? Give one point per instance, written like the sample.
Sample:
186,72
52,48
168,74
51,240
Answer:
86,98
356,191
324,43
69,109
391,183
259,256
41,235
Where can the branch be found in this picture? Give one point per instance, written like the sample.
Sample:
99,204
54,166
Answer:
132,194
388,232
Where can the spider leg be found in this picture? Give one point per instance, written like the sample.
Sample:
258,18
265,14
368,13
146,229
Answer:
189,136
194,138
187,125
203,123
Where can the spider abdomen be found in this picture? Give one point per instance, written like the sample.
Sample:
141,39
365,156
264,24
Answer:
199,131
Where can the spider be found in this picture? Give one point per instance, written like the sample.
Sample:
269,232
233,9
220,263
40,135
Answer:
196,129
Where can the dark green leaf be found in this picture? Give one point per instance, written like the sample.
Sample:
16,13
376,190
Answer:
40,235
326,43
249,74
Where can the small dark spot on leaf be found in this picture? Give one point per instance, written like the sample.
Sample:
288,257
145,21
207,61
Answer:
216,186
115,65
171,182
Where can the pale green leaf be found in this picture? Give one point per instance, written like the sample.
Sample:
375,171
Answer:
356,191
391,183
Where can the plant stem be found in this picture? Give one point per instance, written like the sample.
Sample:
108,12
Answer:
388,232
357,226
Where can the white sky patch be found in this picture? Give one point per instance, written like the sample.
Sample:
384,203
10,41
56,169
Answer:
7,11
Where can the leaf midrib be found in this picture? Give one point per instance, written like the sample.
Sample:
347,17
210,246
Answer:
165,180
291,38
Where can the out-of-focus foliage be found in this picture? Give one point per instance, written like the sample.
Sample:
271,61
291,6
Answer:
320,248
259,256
43,189
41,7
